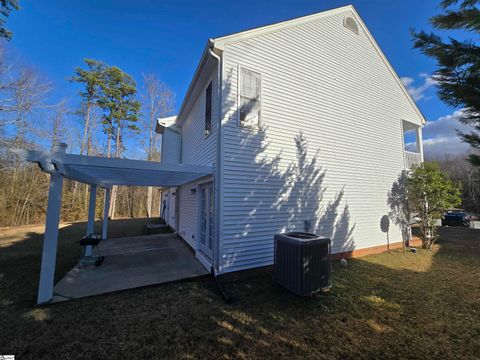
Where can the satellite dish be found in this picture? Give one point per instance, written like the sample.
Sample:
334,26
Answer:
385,224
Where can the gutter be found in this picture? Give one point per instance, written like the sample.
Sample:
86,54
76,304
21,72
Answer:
186,99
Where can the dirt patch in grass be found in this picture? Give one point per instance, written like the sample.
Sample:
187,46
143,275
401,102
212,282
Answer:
393,305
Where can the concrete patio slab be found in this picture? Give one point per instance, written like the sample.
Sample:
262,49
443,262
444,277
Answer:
131,262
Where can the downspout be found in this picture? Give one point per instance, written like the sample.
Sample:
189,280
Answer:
218,186
218,165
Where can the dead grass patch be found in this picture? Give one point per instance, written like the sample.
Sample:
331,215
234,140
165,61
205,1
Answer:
386,306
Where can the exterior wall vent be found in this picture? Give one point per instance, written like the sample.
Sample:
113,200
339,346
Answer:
351,24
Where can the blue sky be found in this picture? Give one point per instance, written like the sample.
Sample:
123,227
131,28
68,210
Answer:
167,38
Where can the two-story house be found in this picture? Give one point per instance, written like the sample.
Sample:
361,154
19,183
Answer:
303,122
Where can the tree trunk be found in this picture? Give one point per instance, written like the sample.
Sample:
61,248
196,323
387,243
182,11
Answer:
149,201
85,130
82,149
113,191
117,143
131,205
113,201
109,145
85,197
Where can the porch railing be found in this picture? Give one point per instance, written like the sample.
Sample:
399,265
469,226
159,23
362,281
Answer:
412,159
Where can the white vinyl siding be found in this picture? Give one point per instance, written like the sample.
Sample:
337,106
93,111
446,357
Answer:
188,214
172,208
323,82
196,147
170,148
187,227
169,215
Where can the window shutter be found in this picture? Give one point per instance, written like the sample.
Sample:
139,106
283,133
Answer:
208,109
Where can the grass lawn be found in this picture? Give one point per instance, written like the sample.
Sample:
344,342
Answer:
392,305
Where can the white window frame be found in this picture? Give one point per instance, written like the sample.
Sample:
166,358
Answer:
239,87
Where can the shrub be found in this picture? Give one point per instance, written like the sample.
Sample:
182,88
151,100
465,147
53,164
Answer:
430,193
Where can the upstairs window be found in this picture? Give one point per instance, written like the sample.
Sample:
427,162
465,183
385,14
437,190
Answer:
249,98
208,109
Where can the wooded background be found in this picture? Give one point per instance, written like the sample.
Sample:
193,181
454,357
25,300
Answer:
108,118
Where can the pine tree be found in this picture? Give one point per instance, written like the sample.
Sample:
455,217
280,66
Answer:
92,78
121,109
458,63
6,7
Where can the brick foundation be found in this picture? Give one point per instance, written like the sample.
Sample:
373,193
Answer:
374,250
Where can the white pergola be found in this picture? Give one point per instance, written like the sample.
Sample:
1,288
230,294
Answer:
97,172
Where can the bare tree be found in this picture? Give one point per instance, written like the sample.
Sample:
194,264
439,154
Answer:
5,82
22,91
158,102
26,92
58,131
29,119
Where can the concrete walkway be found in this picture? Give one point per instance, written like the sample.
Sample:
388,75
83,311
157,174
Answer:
131,262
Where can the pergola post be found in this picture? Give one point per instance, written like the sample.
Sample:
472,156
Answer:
50,239
106,206
91,216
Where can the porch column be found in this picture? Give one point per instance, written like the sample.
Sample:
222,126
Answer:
419,142
91,216
50,239
106,206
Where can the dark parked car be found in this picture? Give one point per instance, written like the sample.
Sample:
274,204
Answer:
456,218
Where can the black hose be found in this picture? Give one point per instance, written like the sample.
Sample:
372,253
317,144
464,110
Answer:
223,292
163,209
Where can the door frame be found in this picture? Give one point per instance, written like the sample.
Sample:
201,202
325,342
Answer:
199,254
172,209
177,209
206,212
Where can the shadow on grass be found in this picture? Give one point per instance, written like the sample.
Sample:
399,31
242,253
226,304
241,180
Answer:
384,306
391,305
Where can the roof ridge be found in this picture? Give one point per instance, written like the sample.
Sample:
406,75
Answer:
282,24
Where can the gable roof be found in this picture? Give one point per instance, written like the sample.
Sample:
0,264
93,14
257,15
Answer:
389,66
166,122
220,42
218,45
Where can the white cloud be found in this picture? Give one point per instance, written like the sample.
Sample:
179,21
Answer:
440,136
419,92
407,81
